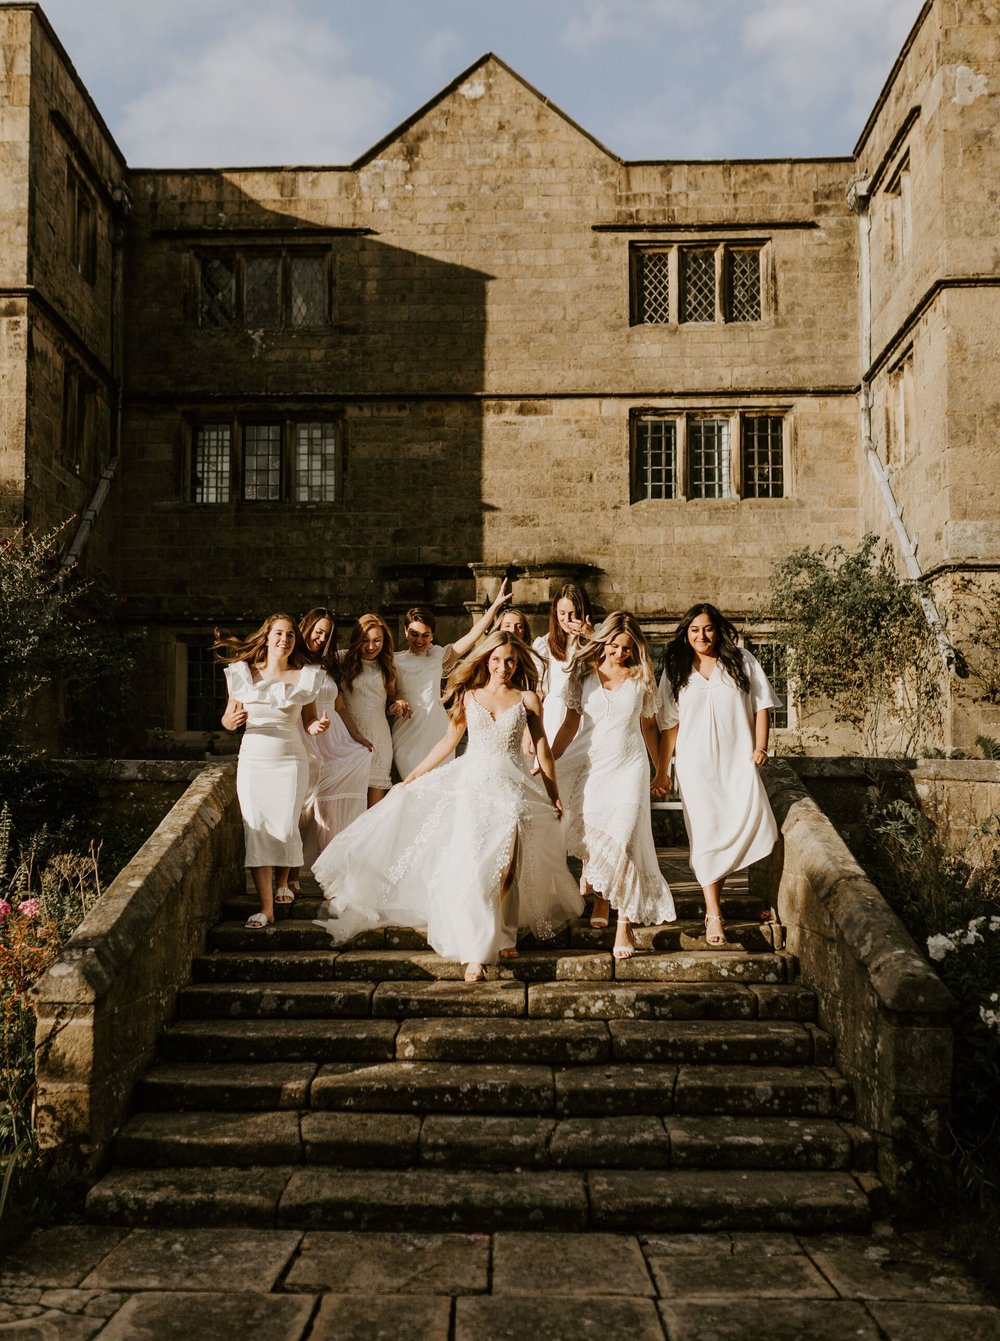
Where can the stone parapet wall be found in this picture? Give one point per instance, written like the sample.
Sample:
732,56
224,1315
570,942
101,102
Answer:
887,1009
103,1003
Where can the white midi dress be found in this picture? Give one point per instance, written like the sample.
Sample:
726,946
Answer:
555,679
366,702
604,784
726,811
339,769
434,853
418,680
272,775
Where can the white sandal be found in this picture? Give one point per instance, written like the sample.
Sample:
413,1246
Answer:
256,922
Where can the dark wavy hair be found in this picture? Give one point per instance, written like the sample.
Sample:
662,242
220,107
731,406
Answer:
582,609
327,655
420,614
678,655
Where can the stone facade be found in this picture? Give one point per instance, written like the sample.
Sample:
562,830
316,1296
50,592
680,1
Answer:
462,313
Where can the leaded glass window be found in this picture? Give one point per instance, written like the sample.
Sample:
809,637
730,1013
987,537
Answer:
315,462
697,284
262,462
205,700
774,664
262,291
655,472
307,278
742,284
217,292
763,456
653,280
709,458
210,468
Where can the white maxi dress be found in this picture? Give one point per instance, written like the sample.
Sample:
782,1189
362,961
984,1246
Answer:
726,811
604,784
433,854
555,679
272,775
418,680
339,769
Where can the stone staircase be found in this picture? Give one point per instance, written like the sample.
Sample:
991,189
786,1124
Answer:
371,1088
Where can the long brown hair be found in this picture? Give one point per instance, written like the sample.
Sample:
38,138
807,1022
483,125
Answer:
513,610
590,652
386,661
473,671
678,655
327,655
253,648
581,608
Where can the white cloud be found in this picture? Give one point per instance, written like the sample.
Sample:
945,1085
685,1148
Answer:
279,88
598,22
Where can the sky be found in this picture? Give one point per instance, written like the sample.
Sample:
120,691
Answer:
228,83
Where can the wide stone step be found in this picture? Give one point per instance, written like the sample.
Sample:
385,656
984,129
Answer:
435,1087
403,1000
636,1201
668,1001
451,1040
264,965
401,1140
228,1087
277,1000
279,1040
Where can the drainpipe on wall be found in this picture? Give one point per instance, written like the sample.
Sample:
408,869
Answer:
858,198
88,516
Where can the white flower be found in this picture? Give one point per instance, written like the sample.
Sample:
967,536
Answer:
995,924
939,945
972,935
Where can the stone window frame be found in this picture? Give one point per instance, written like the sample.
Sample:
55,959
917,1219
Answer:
196,669
734,488
772,656
78,428
238,256
898,195
81,209
293,489
900,409
670,309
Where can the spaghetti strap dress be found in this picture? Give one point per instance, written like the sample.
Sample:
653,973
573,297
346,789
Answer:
339,769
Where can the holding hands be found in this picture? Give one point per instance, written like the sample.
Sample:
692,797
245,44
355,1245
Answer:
399,708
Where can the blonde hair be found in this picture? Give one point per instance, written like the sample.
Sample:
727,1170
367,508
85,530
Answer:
506,614
253,648
473,671
351,665
590,652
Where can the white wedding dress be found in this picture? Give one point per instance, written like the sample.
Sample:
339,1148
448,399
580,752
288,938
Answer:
433,854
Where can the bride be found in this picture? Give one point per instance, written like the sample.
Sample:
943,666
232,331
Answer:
472,851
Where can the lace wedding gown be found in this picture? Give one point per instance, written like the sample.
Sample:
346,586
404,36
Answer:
433,854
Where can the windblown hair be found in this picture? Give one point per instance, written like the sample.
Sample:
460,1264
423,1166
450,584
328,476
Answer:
327,654
421,615
253,648
473,671
581,608
506,614
351,664
678,655
590,652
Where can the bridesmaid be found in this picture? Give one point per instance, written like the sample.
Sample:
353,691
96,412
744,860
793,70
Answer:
602,746
569,618
271,688
368,683
516,622
341,758
419,672
714,702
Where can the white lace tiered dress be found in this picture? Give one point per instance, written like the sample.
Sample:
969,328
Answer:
272,775
604,783
339,769
434,853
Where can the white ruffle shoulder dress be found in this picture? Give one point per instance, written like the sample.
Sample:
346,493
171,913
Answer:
418,680
726,811
433,854
604,783
272,775
339,769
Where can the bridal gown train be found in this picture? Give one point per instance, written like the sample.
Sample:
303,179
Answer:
433,854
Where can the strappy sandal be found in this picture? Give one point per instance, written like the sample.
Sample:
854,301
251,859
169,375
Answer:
715,937
625,951
256,922
598,921
510,953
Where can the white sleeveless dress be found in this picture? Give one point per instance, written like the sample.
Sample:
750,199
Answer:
418,680
272,775
339,769
604,783
434,853
555,679
366,703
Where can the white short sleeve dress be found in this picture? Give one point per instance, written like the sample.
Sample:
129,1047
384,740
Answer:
418,680
272,775
339,769
726,811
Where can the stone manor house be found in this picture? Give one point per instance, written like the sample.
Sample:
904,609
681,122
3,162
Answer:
491,344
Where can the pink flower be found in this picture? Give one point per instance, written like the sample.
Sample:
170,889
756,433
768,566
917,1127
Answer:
28,907
4,909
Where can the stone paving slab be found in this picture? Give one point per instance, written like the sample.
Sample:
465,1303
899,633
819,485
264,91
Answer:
61,1256
770,1320
383,1318
858,1274
512,1317
46,1324
714,1278
190,1259
207,1315
396,1264
942,1322
583,1265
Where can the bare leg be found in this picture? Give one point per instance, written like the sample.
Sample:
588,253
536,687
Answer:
509,912
715,927
292,882
624,941
375,795
283,896
262,879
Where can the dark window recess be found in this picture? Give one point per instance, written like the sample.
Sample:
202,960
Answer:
262,291
78,419
307,279
655,457
82,225
206,695
763,457
217,291
262,462
210,463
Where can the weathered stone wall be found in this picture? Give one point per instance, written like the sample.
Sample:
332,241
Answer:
15,100
102,1004
887,1009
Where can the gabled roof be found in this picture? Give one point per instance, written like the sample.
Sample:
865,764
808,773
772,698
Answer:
456,83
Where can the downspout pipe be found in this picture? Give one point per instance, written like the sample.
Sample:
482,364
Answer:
859,199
